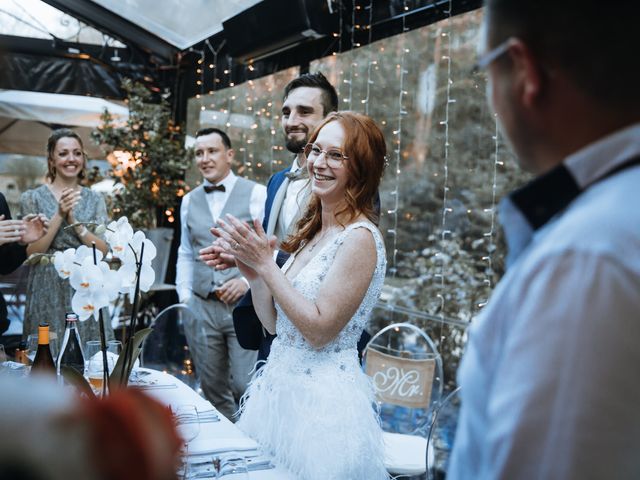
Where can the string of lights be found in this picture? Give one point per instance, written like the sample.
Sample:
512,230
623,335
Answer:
262,113
349,98
275,164
200,74
214,64
488,258
393,232
340,28
445,232
370,61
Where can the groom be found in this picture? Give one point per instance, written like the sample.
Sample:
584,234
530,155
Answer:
308,99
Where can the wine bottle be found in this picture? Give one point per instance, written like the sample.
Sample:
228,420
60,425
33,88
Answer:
43,361
22,353
71,354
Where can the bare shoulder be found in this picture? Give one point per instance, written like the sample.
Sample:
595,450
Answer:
359,243
361,236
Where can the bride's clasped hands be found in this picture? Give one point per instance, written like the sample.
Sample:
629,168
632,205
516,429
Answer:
250,247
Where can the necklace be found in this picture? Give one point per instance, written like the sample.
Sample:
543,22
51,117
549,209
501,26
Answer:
315,244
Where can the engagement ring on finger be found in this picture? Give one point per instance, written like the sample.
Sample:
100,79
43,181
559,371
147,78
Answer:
235,247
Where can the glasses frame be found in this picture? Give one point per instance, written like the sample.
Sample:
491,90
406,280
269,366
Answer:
330,161
491,56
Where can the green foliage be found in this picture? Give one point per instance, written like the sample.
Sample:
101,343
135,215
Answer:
147,158
124,365
75,378
121,370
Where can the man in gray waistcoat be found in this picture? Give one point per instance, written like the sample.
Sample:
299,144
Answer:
223,365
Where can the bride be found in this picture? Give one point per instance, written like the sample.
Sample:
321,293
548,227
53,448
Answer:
311,406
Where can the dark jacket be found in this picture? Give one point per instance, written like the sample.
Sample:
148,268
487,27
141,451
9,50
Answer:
11,257
249,331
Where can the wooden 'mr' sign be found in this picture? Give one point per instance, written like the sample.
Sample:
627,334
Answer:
400,381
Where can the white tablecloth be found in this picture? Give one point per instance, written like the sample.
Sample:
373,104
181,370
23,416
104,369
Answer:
214,437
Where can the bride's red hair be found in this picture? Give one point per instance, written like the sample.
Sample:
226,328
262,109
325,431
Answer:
365,146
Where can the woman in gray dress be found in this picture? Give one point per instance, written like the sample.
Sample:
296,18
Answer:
65,202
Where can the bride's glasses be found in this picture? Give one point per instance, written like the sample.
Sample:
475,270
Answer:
333,157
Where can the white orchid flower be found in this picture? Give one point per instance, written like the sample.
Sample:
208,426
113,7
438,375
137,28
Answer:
87,278
83,252
135,245
129,266
147,276
111,281
86,304
128,275
118,235
96,285
63,262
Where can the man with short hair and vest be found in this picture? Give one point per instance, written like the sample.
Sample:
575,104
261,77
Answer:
223,365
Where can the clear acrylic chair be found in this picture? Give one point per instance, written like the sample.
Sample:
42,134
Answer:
406,370
166,348
442,435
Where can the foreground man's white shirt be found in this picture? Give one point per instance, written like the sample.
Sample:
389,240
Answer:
549,379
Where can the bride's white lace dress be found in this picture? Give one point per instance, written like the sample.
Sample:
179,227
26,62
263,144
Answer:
313,409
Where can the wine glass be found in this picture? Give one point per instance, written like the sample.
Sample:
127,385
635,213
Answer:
94,365
114,346
188,426
91,348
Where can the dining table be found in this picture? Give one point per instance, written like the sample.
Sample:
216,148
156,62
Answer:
218,437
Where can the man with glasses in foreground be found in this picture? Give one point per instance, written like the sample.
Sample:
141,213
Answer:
548,378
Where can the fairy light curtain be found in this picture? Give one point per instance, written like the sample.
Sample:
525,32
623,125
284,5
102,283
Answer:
447,169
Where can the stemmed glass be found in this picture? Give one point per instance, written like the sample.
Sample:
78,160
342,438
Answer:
114,346
93,364
188,426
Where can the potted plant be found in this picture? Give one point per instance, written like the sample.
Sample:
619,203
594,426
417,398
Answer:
148,163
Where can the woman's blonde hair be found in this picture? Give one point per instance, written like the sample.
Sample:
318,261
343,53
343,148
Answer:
366,150
51,146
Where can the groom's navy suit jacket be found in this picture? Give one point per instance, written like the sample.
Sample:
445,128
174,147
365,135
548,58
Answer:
251,335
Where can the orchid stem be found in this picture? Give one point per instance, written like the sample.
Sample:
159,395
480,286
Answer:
103,342
127,365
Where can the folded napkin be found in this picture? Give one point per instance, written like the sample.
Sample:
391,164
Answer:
222,465
202,417
143,377
209,445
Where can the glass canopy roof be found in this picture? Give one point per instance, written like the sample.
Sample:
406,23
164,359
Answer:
182,23
36,19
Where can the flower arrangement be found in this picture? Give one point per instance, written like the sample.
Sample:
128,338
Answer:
96,284
93,280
